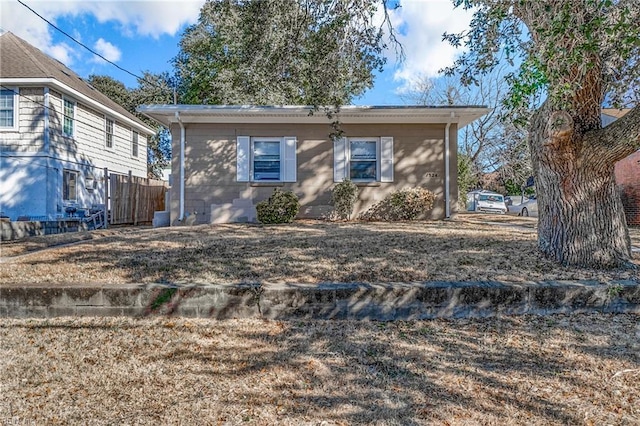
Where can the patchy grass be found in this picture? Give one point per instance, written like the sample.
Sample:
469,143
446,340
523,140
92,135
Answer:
528,370
472,248
579,369
32,244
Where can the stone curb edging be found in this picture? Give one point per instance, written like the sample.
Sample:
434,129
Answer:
384,302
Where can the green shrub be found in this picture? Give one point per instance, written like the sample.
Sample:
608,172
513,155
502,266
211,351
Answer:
406,204
343,197
281,207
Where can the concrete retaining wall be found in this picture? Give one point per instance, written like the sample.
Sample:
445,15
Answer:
16,230
324,301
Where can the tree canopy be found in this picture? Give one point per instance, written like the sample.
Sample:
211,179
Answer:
559,45
275,52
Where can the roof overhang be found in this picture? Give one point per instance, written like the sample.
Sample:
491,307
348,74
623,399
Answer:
616,113
171,114
54,83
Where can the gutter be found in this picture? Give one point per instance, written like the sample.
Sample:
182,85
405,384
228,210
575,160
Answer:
447,168
211,114
182,143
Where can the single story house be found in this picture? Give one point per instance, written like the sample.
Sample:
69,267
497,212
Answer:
226,159
58,135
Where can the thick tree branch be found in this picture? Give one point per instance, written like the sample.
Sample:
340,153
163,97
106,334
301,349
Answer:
619,139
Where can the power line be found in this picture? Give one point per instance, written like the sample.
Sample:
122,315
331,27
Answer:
88,48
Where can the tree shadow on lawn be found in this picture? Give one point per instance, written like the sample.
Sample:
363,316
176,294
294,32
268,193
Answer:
314,253
411,373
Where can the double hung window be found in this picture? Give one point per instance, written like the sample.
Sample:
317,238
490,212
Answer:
366,159
266,163
363,161
109,126
266,159
69,113
8,108
134,143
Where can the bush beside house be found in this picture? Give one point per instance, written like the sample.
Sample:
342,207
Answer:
406,204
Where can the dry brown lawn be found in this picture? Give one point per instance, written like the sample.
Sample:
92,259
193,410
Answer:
565,370
473,247
560,369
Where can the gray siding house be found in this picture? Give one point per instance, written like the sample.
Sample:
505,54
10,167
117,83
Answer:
57,136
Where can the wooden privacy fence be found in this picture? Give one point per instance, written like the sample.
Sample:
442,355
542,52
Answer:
133,200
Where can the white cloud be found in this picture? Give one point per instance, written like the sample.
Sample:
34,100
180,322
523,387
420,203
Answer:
23,23
146,18
108,50
421,24
62,52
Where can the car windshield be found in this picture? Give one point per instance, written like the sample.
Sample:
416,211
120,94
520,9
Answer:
493,198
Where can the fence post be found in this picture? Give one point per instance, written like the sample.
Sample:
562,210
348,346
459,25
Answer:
107,202
137,203
131,198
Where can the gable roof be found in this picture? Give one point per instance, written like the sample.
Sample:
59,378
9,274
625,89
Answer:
22,63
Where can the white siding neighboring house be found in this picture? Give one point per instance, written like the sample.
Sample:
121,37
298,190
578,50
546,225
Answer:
57,135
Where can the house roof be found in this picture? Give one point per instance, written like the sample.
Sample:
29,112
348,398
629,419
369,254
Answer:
616,113
23,64
170,114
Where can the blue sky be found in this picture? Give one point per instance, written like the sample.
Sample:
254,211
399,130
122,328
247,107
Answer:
144,35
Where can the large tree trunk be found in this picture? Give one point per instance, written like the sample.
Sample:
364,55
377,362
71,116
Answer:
581,218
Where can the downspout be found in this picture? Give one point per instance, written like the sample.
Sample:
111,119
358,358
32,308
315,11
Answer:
447,171
182,143
47,137
50,209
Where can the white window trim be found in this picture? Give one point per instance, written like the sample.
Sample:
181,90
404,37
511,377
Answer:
113,133
75,121
252,159
384,159
77,173
90,182
137,134
16,110
245,158
348,158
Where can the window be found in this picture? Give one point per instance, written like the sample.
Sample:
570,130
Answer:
492,198
90,182
266,159
134,144
367,159
8,110
69,113
69,185
363,161
108,132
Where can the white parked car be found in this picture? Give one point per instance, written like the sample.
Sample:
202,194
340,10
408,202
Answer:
528,207
486,202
